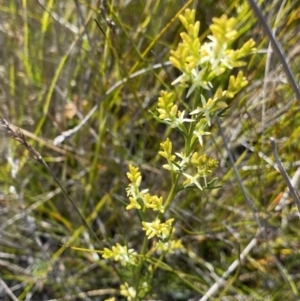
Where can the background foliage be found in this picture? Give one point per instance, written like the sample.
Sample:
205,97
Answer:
58,65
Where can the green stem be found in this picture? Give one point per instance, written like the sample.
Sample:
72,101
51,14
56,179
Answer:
137,275
172,192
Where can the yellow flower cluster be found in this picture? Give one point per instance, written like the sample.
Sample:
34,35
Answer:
198,63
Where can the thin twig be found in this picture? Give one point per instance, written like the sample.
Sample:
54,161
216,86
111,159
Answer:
17,134
284,200
285,175
238,177
276,48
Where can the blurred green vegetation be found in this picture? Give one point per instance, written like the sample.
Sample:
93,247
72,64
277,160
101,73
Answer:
62,60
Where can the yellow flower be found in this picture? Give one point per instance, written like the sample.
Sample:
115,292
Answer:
156,228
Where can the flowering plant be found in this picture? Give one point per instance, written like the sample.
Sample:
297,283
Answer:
199,64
